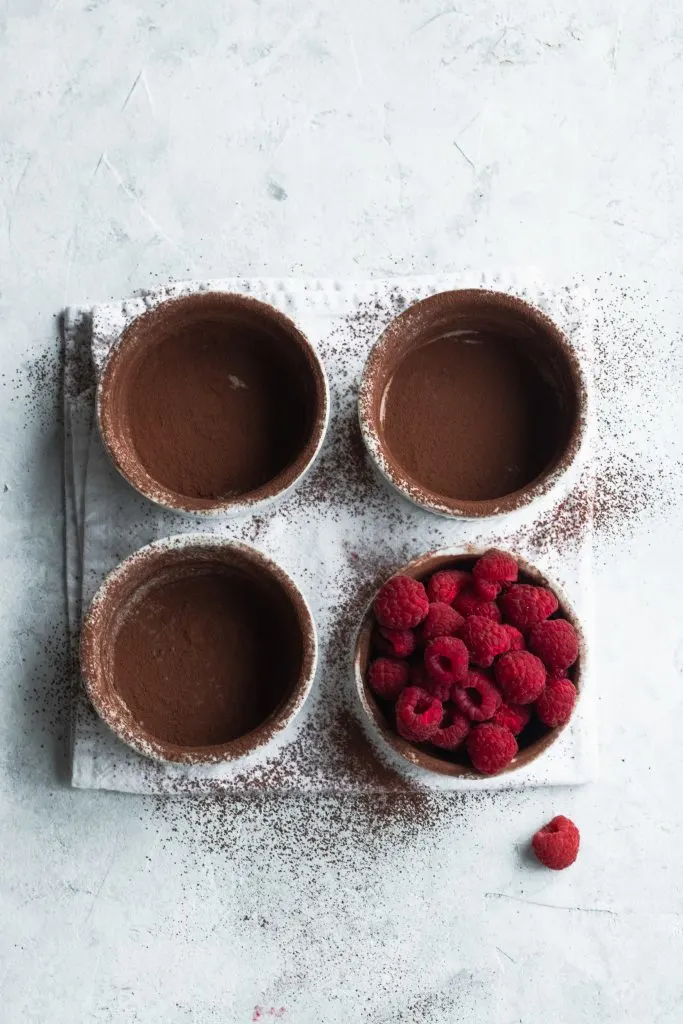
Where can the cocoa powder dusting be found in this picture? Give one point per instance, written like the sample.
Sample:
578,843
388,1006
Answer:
470,418
204,659
216,411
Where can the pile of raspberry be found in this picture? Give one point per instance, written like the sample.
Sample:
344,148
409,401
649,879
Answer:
469,659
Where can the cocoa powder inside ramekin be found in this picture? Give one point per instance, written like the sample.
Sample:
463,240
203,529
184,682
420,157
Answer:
216,410
470,416
205,658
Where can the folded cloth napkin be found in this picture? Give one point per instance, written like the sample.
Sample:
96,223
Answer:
338,535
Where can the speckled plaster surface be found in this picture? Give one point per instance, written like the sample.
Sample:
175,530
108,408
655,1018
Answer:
142,141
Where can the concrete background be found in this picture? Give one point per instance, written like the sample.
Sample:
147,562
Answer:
154,140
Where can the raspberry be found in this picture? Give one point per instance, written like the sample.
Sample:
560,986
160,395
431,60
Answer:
437,688
484,639
477,698
516,638
452,731
397,643
418,675
388,677
556,644
442,620
521,676
556,703
418,714
557,844
523,605
467,603
445,585
492,572
490,747
401,603
446,660
514,717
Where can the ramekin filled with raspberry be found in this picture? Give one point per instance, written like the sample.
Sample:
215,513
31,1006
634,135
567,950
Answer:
469,664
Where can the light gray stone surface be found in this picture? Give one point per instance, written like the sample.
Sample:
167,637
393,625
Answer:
146,141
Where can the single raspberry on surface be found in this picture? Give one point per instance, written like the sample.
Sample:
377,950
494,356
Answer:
387,677
446,660
418,714
468,603
491,747
401,603
555,705
397,643
514,717
477,698
523,605
521,676
557,844
445,585
442,620
484,639
452,731
516,638
556,644
492,572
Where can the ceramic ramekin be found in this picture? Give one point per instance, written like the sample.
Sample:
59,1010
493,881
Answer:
475,310
149,332
165,561
376,716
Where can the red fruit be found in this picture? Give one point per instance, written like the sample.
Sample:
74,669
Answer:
516,638
523,605
555,705
491,747
418,675
387,677
556,644
445,585
442,620
418,714
514,717
401,603
492,572
446,660
468,603
439,689
484,639
452,731
521,676
477,698
557,844
398,643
